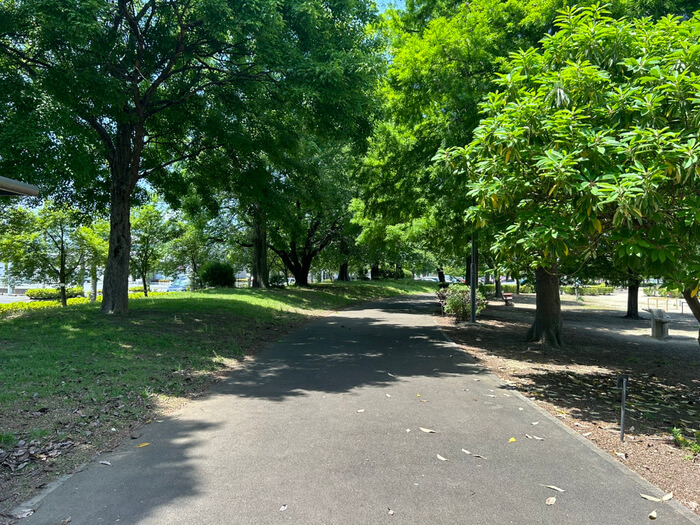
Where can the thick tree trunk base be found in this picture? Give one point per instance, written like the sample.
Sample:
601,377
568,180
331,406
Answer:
549,336
547,327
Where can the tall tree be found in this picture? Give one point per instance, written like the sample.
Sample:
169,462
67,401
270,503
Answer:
130,79
593,139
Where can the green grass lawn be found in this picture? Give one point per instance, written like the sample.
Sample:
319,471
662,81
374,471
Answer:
73,374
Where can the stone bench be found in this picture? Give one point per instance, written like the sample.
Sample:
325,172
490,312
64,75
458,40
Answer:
507,298
659,323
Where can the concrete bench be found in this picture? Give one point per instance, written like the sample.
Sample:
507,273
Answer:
507,298
659,323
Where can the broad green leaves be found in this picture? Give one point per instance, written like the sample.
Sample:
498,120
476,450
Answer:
592,140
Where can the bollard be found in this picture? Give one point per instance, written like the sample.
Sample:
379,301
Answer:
622,383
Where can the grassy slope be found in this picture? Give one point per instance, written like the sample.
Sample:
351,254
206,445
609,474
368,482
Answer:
74,374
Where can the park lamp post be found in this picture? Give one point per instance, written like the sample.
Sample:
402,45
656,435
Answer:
15,188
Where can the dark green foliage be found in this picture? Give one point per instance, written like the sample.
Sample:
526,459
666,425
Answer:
218,274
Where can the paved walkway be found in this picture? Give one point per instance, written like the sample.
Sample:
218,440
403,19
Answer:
324,428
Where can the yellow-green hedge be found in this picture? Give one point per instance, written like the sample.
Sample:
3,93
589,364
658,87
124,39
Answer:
10,308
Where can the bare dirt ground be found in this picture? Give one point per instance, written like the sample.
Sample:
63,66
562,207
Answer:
578,383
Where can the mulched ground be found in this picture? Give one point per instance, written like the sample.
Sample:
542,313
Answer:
578,383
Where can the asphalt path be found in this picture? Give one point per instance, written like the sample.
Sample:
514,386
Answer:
324,427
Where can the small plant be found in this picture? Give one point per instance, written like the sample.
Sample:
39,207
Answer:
692,444
458,302
7,439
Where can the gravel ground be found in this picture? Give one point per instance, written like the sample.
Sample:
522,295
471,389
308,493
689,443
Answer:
578,382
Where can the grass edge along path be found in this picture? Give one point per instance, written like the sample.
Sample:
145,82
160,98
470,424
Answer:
74,382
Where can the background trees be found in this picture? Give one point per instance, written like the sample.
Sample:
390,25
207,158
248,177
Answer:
131,81
44,245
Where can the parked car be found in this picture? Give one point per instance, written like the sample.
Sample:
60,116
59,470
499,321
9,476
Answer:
181,284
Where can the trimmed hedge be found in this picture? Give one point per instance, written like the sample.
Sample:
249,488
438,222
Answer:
49,294
652,291
588,290
490,289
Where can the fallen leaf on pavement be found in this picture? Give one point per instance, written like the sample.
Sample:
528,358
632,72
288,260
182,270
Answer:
586,434
650,498
66,521
667,497
283,508
360,411
551,501
466,452
535,423
388,395
653,515
537,438
480,456
391,512
24,513
142,445
105,463
428,430
511,440
623,455
441,458
553,488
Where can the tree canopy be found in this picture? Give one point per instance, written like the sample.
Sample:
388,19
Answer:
591,141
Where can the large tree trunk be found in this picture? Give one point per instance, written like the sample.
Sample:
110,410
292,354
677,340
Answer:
547,327
260,273
499,289
374,271
441,275
301,274
115,288
694,305
633,297
145,284
344,273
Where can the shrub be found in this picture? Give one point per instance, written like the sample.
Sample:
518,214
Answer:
458,302
218,274
51,294
137,289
